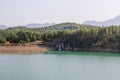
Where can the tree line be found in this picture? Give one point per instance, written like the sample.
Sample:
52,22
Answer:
96,37
70,34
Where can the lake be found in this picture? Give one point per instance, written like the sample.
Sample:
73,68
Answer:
64,65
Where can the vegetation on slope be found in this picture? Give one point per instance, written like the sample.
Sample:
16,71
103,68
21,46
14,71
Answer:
71,34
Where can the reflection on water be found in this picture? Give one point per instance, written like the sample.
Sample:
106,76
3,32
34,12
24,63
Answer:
60,66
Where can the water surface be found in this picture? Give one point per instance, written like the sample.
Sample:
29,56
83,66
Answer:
55,65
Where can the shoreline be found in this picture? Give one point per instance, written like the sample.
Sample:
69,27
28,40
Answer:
33,49
98,50
30,49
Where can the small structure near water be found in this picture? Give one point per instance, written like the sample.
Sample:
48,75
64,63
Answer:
60,46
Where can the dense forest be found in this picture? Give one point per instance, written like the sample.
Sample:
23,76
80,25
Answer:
70,34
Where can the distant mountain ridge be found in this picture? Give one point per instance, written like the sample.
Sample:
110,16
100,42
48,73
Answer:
37,25
109,22
30,25
3,27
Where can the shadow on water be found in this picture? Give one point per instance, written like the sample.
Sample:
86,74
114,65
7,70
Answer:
84,53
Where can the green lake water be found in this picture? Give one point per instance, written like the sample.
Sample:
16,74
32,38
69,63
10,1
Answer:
64,65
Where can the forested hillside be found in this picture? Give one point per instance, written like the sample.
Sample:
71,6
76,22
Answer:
70,34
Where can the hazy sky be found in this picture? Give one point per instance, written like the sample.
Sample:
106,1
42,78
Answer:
20,12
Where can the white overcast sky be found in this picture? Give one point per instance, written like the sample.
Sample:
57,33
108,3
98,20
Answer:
21,12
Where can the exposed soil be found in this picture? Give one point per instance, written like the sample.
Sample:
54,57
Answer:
30,48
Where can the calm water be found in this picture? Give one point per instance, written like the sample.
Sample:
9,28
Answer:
60,66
